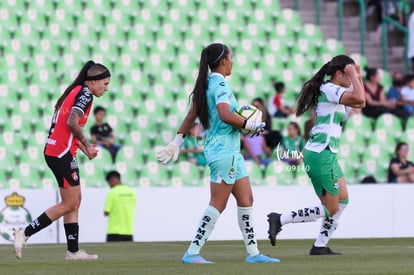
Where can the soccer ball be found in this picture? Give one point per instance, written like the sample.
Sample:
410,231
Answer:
248,112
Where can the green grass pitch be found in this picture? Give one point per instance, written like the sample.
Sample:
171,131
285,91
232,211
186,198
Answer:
361,256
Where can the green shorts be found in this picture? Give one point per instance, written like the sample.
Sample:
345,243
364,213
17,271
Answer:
323,170
228,168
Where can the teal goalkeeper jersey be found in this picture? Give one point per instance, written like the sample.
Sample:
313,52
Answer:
221,138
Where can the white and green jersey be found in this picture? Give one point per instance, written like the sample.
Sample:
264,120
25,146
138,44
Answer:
329,119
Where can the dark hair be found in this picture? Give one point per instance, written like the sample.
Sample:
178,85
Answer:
89,70
112,174
98,109
370,72
210,58
408,78
279,86
398,147
295,125
311,89
259,99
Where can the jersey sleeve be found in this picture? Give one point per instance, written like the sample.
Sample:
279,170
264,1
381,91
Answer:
334,93
83,100
108,202
222,93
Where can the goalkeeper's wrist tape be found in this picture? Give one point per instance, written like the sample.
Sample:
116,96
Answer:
244,124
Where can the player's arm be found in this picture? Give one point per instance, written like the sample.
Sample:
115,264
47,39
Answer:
395,168
73,124
172,150
356,98
228,117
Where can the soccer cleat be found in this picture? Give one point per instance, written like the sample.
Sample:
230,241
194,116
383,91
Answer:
194,259
275,226
322,251
80,255
19,241
260,258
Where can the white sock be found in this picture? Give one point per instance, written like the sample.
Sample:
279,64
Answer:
205,227
245,219
307,214
328,227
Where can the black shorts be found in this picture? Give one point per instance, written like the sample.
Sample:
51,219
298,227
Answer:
65,169
118,238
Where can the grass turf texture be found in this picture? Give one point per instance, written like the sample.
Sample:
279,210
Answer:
361,256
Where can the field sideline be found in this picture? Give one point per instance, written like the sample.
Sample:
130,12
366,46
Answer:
361,256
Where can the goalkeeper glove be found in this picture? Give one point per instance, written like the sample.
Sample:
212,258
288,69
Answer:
171,151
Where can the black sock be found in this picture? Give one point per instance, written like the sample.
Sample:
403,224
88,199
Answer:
72,231
37,224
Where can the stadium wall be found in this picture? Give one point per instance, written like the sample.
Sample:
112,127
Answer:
171,214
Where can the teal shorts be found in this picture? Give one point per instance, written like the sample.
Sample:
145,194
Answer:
324,171
227,167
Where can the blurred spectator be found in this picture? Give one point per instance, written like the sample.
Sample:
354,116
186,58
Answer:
192,147
256,149
394,92
293,144
272,138
376,102
400,169
276,105
120,208
102,134
410,27
407,94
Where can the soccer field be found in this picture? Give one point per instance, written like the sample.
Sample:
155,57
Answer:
361,256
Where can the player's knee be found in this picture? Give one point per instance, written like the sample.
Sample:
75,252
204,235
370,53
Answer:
332,209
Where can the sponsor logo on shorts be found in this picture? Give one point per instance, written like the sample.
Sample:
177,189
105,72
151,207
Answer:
75,176
232,173
336,185
73,164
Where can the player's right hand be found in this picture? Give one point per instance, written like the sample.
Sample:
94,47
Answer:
91,152
171,151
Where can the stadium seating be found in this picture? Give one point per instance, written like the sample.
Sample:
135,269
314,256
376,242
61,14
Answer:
152,48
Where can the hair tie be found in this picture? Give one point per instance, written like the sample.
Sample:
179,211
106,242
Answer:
100,76
220,56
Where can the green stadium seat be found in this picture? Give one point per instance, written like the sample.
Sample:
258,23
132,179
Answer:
391,124
268,5
154,174
372,167
332,47
279,173
291,18
312,33
386,79
361,124
351,136
186,174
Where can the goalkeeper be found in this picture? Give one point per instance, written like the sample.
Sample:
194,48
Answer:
214,104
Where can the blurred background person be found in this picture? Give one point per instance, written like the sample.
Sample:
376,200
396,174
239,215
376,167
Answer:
292,145
376,102
277,107
102,133
271,137
400,169
407,94
256,149
120,209
193,148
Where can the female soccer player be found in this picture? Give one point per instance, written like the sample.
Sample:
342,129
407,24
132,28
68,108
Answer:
329,100
65,137
214,104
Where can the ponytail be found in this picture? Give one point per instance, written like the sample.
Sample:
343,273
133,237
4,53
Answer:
210,58
199,98
311,89
89,71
